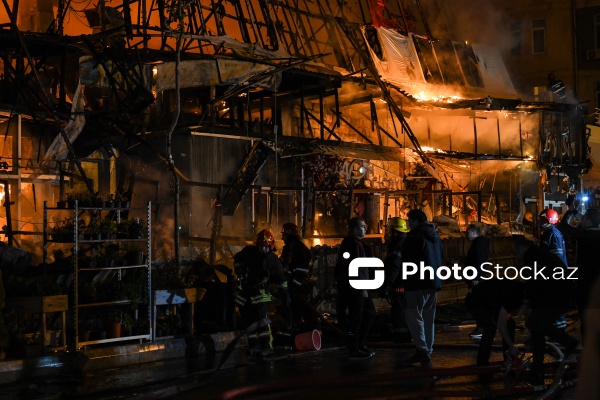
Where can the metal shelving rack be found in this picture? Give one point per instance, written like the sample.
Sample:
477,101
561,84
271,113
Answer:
77,243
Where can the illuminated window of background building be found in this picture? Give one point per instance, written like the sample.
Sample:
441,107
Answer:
539,93
538,27
515,38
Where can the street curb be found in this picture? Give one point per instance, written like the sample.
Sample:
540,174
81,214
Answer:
95,359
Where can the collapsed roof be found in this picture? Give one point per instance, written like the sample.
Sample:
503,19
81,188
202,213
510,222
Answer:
112,83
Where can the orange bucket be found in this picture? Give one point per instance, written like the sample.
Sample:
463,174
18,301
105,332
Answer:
308,341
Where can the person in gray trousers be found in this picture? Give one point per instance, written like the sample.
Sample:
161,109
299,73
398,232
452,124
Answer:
422,244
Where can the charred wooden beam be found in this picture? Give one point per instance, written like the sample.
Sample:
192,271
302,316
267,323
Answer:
47,98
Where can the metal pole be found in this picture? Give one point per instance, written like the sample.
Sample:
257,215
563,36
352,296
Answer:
7,204
302,201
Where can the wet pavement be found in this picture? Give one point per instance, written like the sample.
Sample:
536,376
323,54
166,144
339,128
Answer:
325,374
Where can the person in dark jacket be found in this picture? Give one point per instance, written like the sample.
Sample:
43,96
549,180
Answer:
498,300
588,384
550,237
258,269
547,299
478,254
419,297
355,308
587,240
398,229
297,264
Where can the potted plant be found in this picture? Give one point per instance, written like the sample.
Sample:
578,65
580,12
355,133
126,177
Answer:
85,329
135,285
114,323
92,230
63,232
110,201
123,229
122,200
83,198
111,253
133,254
107,228
127,324
136,228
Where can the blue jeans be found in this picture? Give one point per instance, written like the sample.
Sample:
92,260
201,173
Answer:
419,310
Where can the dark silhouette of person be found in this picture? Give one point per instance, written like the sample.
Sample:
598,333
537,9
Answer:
355,308
419,298
258,269
392,287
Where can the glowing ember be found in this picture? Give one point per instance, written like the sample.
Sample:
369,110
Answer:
428,149
436,98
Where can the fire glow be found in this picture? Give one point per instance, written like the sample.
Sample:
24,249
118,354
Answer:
422,96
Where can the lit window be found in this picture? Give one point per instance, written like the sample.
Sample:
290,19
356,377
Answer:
539,36
540,93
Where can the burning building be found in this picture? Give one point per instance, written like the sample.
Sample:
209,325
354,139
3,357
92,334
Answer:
237,116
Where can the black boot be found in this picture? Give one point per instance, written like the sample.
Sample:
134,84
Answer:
420,357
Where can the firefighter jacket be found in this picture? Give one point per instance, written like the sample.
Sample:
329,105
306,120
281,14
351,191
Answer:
393,264
297,263
552,239
257,272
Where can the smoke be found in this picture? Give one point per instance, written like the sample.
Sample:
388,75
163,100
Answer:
470,21
153,182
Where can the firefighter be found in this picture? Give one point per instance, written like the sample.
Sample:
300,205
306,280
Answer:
296,259
550,237
393,267
297,264
258,270
528,220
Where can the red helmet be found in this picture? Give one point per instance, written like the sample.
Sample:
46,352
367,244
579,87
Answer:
265,238
550,215
290,229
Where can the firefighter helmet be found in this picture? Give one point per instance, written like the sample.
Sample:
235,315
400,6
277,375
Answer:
550,215
290,229
265,238
398,224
